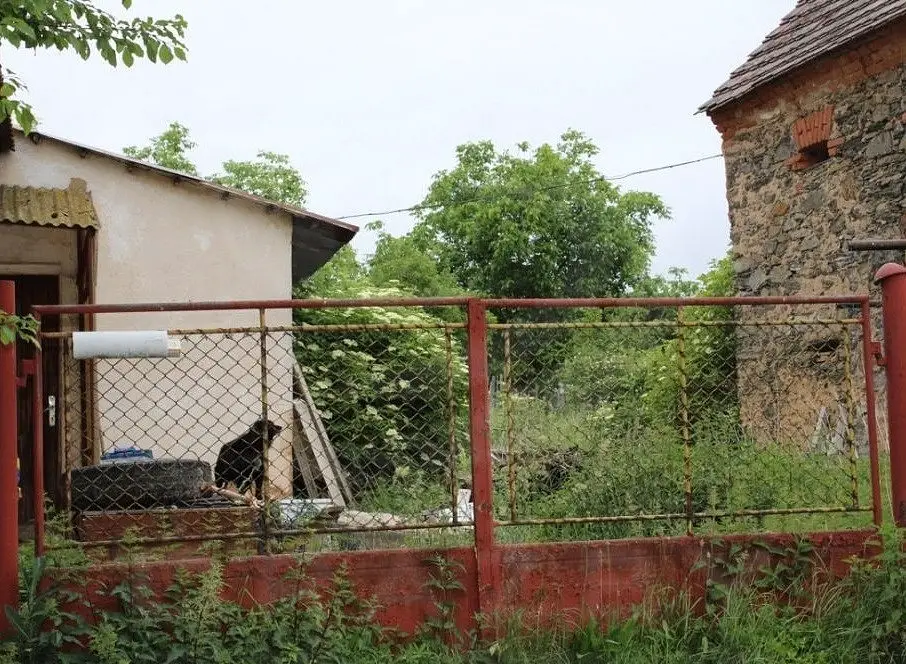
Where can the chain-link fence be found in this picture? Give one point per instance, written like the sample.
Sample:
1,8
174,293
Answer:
346,427
344,434
644,421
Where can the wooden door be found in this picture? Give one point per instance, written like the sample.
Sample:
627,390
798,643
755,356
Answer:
32,290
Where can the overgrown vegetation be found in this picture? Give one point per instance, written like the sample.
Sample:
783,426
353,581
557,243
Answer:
787,611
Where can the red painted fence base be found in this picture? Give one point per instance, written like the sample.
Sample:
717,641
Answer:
542,583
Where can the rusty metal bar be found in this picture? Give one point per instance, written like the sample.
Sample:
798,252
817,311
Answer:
623,302
850,418
510,423
868,359
594,303
875,245
253,534
374,327
790,322
38,440
684,419
892,278
249,305
395,327
676,516
480,438
9,486
451,425
265,436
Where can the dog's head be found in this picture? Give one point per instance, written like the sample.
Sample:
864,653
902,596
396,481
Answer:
266,429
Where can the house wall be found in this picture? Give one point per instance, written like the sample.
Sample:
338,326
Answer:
790,225
166,241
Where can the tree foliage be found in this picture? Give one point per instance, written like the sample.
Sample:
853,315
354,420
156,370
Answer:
540,223
169,149
271,175
399,261
80,26
633,374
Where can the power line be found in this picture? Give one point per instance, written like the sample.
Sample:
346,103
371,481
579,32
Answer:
476,199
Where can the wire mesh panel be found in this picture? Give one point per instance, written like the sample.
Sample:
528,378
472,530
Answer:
659,421
350,425
276,434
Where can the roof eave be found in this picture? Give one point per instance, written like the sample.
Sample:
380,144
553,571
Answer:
316,238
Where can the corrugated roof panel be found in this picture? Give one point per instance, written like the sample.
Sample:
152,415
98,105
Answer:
813,29
67,208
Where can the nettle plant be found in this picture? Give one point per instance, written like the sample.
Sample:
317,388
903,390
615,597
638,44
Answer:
13,327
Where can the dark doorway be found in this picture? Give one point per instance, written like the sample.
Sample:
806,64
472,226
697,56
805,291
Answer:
32,290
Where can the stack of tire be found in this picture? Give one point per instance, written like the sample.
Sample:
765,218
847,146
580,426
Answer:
139,484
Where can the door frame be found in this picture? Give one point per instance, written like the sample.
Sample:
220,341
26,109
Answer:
52,366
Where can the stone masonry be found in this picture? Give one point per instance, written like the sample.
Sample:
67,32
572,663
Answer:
813,160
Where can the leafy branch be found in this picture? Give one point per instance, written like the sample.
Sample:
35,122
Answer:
80,26
14,327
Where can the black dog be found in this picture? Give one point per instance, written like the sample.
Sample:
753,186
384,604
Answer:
241,461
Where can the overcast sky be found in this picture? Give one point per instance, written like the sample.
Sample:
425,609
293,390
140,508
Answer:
369,98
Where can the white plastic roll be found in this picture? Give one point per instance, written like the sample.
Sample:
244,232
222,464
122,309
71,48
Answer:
94,345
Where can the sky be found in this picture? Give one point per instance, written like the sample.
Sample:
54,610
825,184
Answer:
370,99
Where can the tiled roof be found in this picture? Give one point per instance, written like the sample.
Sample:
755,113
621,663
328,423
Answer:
814,28
70,208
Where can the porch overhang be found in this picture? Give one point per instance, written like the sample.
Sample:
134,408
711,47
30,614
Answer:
71,207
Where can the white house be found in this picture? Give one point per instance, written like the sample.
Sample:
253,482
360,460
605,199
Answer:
81,225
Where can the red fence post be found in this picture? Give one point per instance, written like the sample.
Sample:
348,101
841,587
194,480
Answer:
892,278
479,423
9,486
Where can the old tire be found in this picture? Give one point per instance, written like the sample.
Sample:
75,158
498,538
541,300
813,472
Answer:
137,484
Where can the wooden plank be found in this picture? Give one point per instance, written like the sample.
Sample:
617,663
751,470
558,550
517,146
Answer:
303,458
334,492
317,437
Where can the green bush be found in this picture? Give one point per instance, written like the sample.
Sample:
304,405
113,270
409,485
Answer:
384,394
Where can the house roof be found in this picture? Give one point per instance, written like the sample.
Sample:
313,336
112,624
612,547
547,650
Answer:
69,208
813,29
315,238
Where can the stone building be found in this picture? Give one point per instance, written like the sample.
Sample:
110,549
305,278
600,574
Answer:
814,140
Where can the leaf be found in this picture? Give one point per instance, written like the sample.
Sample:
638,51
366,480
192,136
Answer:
166,55
127,4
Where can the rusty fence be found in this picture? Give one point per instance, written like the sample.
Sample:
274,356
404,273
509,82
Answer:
314,425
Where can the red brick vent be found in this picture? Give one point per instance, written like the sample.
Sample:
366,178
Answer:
813,139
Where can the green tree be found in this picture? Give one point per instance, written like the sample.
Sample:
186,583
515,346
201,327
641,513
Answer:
80,26
271,175
400,262
168,149
541,223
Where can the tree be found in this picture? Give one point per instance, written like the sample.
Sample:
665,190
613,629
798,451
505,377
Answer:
79,26
400,262
271,175
168,149
542,223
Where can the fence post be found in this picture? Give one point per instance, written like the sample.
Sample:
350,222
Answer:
892,278
479,420
9,486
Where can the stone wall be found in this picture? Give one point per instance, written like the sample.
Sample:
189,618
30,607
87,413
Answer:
792,211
